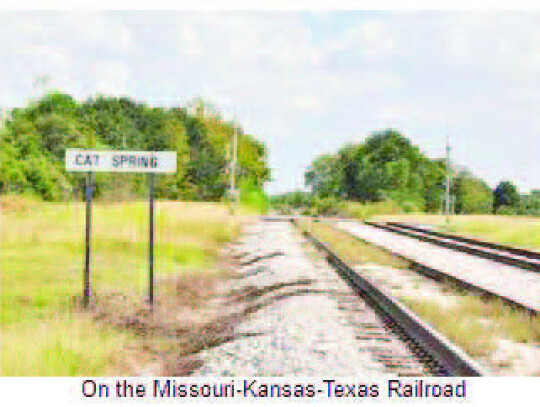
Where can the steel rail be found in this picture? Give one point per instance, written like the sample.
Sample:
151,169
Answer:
442,276
454,360
531,265
505,254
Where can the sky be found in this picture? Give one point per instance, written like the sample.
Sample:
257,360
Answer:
305,83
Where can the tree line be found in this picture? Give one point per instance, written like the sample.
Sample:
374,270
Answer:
34,139
387,167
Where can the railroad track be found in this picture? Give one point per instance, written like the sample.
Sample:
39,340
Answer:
513,287
522,258
436,351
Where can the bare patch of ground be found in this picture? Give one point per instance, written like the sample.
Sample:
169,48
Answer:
168,336
191,314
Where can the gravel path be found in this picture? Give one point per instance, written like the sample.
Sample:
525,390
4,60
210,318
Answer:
307,321
520,285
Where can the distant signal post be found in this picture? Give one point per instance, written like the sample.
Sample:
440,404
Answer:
89,161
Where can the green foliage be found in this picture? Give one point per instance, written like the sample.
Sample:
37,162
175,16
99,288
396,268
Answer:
296,201
11,173
505,194
386,174
530,204
386,167
253,197
323,176
506,210
472,194
327,206
364,211
35,138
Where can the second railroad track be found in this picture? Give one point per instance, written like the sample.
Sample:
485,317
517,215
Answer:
518,257
513,285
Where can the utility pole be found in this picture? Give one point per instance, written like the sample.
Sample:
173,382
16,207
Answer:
233,166
447,198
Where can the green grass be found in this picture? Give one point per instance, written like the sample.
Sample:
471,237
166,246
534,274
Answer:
517,231
61,347
507,230
42,257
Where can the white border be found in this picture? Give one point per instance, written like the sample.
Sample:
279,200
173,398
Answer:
268,5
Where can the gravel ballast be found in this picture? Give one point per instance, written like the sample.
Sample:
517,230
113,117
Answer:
303,320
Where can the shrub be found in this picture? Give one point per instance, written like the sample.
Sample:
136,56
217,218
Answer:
325,206
367,210
253,197
507,210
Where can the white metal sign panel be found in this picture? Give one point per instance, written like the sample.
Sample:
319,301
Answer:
120,161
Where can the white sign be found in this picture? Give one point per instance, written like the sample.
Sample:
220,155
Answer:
120,161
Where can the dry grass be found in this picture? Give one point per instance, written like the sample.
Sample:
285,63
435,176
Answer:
192,317
175,330
68,345
477,324
353,250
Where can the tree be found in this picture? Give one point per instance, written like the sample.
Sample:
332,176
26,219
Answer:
529,204
505,194
434,174
348,161
472,194
323,176
386,166
34,140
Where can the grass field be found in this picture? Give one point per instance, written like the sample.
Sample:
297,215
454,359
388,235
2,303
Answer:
511,230
41,263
